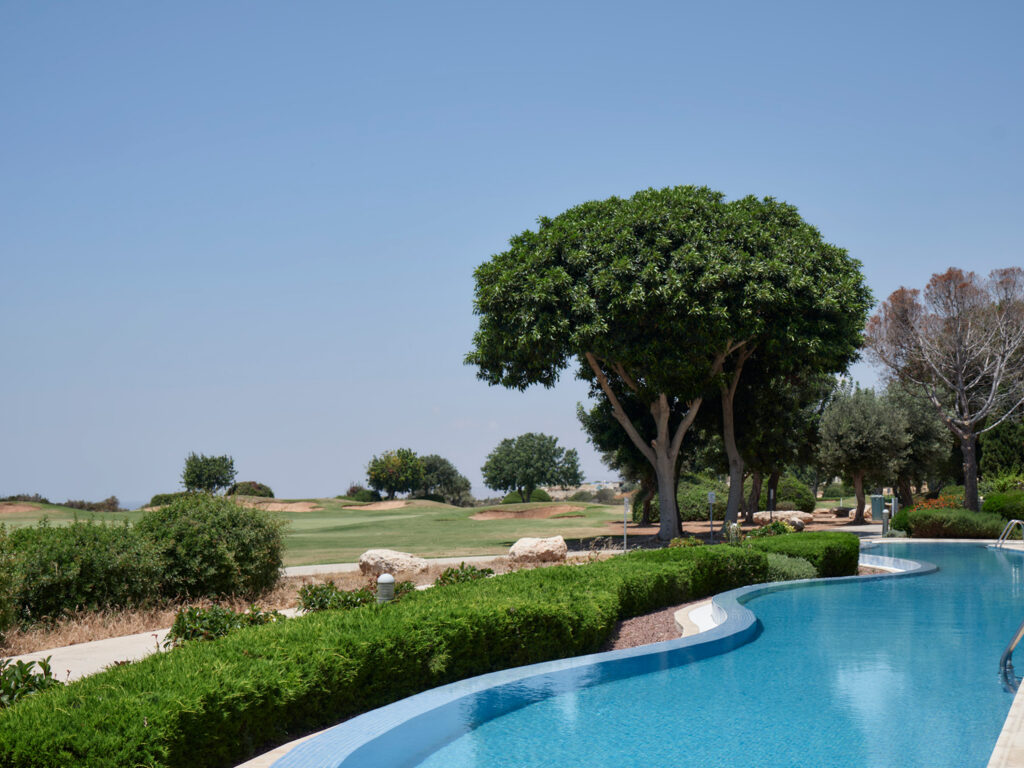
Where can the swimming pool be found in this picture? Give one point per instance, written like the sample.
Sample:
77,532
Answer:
852,672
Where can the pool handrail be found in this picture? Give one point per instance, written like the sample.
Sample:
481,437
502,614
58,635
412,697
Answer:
1010,679
1007,530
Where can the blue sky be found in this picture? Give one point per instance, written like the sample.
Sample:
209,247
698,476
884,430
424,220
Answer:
250,228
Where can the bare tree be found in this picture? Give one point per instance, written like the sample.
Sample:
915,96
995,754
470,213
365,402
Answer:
962,348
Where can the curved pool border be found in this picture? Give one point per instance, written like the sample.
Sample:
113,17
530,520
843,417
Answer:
435,717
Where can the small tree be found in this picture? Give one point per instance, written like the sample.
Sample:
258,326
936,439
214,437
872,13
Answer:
863,437
928,441
441,477
399,471
208,473
523,463
963,348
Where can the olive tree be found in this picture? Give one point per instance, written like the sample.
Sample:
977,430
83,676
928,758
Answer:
962,346
662,295
864,437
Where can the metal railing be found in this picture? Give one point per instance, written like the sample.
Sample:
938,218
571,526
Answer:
1010,679
1007,531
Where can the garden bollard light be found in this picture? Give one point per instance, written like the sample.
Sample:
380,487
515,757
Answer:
385,588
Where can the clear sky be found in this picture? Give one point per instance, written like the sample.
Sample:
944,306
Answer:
250,227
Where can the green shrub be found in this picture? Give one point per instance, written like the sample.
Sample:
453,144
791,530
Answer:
82,566
1001,484
785,568
686,541
831,553
953,524
692,496
250,488
160,499
790,494
948,491
604,496
111,504
515,498
211,547
431,497
327,597
463,573
365,495
582,496
901,520
30,497
8,583
1009,505
195,623
19,679
837,491
774,528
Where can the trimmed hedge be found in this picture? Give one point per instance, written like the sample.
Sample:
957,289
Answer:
217,703
1009,505
831,553
953,524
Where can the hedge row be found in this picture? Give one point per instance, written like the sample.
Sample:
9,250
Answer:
831,553
949,524
217,703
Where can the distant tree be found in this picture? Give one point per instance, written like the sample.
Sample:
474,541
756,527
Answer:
398,471
533,459
963,348
1002,449
863,437
441,477
208,473
928,441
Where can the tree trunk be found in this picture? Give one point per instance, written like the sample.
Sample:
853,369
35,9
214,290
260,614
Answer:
905,492
773,490
755,497
731,450
858,489
968,447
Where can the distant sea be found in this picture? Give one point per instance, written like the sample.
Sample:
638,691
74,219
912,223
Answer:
130,504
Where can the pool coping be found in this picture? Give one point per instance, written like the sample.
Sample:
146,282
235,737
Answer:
363,734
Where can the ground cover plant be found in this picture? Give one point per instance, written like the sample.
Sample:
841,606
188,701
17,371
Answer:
215,704
209,623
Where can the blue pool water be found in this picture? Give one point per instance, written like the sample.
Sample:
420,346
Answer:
851,673
891,672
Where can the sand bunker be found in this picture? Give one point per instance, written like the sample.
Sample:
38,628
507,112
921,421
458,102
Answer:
396,504
281,506
16,508
526,514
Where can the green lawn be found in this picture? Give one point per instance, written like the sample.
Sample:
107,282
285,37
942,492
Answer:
334,534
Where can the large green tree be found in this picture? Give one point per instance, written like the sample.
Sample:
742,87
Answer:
398,471
663,295
928,441
533,459
441,477
207,473
1002,449
863,437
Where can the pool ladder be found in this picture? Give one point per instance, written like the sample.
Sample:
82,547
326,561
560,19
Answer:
1007,531
1010,679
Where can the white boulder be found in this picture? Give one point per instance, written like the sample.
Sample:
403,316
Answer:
763,518
530,550
374,562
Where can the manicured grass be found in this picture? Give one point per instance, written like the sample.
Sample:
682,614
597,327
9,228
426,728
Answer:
334,534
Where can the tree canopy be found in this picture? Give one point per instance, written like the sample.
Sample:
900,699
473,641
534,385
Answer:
398,471
531,460
441,477
663,295
207,473
863,437
961,344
